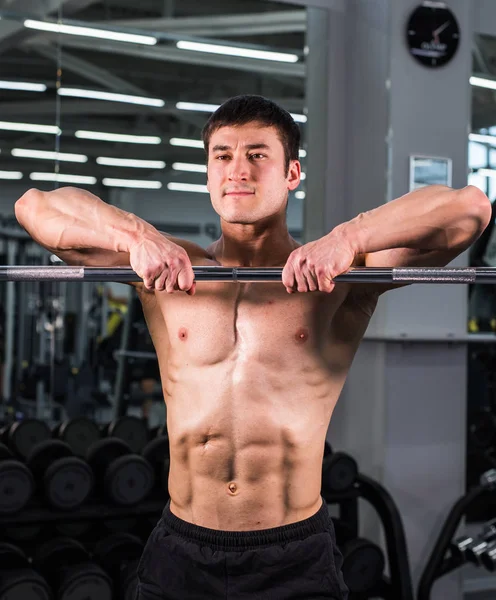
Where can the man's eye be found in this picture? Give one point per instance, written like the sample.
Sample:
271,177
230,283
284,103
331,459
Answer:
257,155
221,157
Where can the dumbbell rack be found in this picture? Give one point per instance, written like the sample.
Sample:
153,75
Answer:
399,585
440,561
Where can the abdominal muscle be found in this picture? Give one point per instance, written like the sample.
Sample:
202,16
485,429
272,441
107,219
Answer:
246,441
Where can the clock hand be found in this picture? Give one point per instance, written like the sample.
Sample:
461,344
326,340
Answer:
436,32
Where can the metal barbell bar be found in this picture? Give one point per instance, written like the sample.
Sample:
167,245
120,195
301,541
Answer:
256,274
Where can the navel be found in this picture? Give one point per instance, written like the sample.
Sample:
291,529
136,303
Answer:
301,335
233,488
182,334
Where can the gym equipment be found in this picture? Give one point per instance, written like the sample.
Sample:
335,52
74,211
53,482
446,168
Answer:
123,477
119,555
22,436
18,580
66,565
339,471
78,433
447,555
65,479
255,274
16,483
363,565
132,430
157,454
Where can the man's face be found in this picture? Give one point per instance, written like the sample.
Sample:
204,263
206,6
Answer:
246,173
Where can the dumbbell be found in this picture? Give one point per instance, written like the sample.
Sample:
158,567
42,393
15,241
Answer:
79,433
124,478
339,471
119,555
68,568
363,565
22,436
16,483
475,550
157,454
132,430
66,480
18,580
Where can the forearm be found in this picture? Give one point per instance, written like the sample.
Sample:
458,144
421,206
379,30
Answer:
432,218
73,219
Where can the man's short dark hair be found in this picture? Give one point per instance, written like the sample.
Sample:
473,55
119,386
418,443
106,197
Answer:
245,109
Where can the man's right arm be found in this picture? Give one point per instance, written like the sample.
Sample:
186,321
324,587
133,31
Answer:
82,229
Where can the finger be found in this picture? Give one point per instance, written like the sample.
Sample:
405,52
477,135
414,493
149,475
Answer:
324,280
301,282
192,290
161,280
171,281
311,279
186,278
288,279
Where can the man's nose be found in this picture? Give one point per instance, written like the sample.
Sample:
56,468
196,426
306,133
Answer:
238,169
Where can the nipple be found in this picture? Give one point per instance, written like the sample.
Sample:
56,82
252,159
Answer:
301,335
233,488
182,334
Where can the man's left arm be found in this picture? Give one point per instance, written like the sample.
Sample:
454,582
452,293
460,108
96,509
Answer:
427,227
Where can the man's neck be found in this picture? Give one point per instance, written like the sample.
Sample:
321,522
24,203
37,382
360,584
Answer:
245,246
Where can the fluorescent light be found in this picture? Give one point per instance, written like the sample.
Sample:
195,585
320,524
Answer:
22,85
187,187
98,95
132,183
303,176
486,172
300,195
25,153
303,153
484,139
191,168
485,83
299,118
91,32
197,106
117,137
186,143
31,127
62,178
238,51
130,162
10,175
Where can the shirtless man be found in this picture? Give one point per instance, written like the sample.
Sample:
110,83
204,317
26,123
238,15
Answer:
251,372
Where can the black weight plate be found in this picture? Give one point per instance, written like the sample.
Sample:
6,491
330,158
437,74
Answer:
156,451
129,479
73,529
23,533
16,486
24,584
106,450
68,483
58,552
340,472
131,430
25,435
12,557
363,565
79,433
5,452
45,453
116,549
83,582
121,525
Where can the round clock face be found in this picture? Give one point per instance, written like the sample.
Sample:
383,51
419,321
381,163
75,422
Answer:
432,34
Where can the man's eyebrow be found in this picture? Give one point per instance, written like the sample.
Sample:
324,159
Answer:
257,146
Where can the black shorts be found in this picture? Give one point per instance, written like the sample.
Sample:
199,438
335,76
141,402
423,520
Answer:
182,561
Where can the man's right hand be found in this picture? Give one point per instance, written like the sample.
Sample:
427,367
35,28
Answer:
163,265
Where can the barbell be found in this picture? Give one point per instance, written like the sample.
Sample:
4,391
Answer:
256,274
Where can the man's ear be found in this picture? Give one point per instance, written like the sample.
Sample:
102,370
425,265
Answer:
294,175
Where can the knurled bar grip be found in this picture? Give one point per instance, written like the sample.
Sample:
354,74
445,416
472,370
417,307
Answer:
255,274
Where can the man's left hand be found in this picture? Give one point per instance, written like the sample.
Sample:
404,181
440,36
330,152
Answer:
312,267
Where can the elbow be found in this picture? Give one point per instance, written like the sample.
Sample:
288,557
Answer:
479,209
27,204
